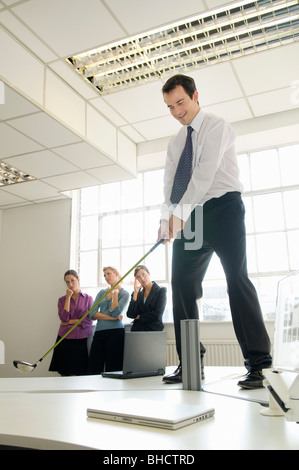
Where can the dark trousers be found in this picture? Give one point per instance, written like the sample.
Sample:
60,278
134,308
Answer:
223,233
107,350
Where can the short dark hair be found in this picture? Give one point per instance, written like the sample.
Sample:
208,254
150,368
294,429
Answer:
186,82
141,266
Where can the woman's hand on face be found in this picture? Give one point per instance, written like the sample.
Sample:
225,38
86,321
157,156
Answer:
114,294
117,290
69,293
137,286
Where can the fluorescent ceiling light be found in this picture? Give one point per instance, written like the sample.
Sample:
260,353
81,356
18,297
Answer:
10,175
231,31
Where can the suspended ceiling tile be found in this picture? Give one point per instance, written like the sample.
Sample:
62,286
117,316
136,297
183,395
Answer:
83,155
158,128
101,132
15,143
107,111
7,198
273,101
77,83
79,179
232,111
20,204
15,105
140,103
216,3
32,190
41,164
268,70
21,69
70,26
132,134
64,103
216,84
27,37
51,199
126,154
110,174
147,15
9,2
45,130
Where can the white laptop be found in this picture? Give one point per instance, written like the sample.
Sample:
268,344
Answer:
144,355
154,413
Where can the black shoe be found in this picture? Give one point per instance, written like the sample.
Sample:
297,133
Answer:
175,377
253,379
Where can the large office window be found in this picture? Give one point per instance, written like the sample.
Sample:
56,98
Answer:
117,224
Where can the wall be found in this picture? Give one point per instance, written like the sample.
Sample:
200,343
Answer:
34,254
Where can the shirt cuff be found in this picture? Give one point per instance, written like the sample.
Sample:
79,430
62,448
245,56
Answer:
167,211
183,212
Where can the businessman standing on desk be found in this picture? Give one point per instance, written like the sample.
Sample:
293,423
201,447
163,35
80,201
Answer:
201,168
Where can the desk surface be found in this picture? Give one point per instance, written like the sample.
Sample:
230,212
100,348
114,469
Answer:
59,421
219,380
29,383
56,419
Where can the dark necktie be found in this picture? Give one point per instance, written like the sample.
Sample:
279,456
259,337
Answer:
183,172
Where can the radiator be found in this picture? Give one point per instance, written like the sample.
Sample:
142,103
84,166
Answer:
218,353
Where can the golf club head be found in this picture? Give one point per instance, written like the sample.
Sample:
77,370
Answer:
24,366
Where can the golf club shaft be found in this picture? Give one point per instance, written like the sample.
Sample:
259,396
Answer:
100,300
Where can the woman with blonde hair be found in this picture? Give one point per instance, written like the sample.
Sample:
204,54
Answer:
106,353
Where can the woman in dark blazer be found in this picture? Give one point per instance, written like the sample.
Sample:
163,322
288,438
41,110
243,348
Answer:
148,302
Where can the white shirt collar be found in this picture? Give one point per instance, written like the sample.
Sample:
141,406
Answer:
198,120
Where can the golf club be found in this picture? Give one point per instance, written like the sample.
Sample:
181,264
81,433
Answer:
27,367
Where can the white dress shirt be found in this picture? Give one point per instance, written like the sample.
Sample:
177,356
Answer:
215,167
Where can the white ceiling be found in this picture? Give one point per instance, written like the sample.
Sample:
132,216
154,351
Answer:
247,91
